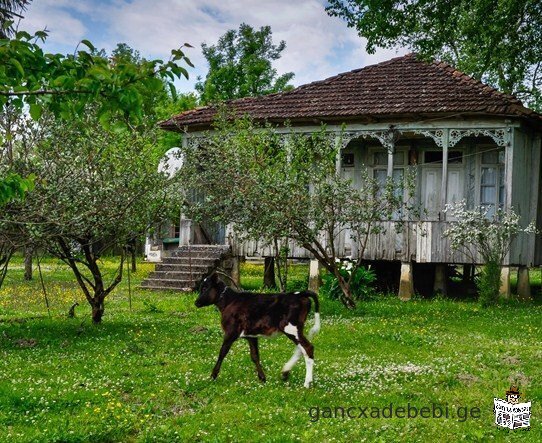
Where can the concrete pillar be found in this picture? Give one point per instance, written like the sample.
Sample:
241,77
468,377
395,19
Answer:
505,282
314,276
235,273
406,283
524,284
440,280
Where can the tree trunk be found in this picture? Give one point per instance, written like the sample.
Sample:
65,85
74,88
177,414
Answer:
269,273
28,252
134,257
347,299
131,249
98,309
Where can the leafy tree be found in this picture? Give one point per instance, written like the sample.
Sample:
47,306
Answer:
499,42
96,189
70,89
273,187
65,84
9,11
240,65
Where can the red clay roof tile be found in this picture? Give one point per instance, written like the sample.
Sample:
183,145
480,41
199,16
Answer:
401,86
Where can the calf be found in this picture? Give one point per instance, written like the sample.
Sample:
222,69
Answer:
248,315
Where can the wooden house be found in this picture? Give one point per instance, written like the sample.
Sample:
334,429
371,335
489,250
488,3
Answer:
466,139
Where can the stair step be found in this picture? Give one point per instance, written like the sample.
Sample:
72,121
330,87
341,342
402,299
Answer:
181,267
166,288
185,267
170,283
187,260
176,275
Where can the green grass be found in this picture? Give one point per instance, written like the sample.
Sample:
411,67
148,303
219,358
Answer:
143,375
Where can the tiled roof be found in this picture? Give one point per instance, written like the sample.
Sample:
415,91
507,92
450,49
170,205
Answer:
402,86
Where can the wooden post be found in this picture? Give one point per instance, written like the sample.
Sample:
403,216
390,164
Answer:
505,282
406,283
524,284
314,276
269,273
391,151
444,185
440,280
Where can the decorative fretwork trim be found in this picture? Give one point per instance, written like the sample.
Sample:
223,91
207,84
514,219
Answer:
437,135
499,136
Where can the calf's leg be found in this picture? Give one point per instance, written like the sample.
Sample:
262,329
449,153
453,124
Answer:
255,356
291,363
308,352
226,345
305,348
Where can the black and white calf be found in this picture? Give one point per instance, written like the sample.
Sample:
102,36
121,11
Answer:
248,315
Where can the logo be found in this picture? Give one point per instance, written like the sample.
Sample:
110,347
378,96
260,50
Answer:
510,413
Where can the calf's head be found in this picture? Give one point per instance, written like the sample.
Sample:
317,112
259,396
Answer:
210,290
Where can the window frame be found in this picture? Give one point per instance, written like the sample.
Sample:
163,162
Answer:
500,169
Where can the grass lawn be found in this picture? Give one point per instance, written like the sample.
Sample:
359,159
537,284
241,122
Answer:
143,374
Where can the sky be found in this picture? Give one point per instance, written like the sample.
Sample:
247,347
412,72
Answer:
317,45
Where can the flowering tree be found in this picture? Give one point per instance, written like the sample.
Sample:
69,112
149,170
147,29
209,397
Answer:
95,190
476,232
282,188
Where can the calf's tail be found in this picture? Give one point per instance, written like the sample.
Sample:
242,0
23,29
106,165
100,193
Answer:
316,327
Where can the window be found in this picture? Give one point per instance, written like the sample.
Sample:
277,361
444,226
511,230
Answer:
492,181
380,167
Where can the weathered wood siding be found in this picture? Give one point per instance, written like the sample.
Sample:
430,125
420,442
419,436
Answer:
525,191
423,242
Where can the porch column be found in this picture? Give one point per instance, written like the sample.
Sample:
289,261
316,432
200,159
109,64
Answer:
314,275
406,283
391,150
444,185
186,230
186,233
505,282
524,284
338,159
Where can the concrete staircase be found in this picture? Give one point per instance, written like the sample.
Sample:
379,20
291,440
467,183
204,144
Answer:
186,267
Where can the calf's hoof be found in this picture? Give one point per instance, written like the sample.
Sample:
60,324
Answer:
308,384
285,375
262,378
214,376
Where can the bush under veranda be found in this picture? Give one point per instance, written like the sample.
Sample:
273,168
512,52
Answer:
143,375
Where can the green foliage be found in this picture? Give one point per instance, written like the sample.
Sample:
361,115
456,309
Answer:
488,283
361,282
66,84
240,65
499,42
10,11
14,187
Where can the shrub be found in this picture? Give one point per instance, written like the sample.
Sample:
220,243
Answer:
488,283
361,281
